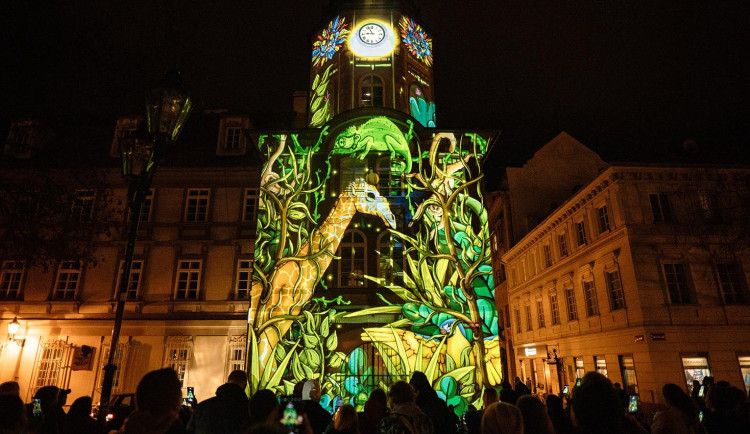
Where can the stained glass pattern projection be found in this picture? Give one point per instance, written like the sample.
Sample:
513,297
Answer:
329,41
416,40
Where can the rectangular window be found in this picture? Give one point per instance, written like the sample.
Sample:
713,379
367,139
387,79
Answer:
581,233
528,318
600,364
580,370
82,208
517,314
627,371
11,278
236,354
540,313
589,292
570,297
660,207
244,278
147,207
67,280
732,282
696,368
603,219
707,203
547,255
745,370
676,277
250,210
563,245
232,138
196,207
614,288
120,360
179,351
134,283
555,308
50,364
188,280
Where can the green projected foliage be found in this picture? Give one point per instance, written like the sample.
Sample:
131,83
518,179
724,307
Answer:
435,311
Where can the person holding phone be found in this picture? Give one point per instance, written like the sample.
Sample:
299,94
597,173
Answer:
680,414
226,412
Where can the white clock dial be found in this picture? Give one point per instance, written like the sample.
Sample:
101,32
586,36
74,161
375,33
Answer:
371,33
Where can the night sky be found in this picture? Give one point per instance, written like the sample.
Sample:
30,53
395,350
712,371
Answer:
623,77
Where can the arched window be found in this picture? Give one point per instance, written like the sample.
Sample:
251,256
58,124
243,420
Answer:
371,91
353,263
391,259
389,178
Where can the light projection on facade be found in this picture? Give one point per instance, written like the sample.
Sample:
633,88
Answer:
329,41
327,44
372,39
420,109
436,311
416,40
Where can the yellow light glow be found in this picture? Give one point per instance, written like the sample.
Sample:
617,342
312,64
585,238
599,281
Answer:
367,51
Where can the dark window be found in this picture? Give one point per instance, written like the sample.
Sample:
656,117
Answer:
232,138
660,207
732,282
589,291
555,307
614,288
547,255
147,207
67,281
196,208
372,91
11,277
134,283
540,313
83,205
563,244
188,280
570,297
244,278
675,275
250,210
528,319
518,320
603,219
581,233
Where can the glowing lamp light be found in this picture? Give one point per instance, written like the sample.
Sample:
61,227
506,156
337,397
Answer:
168,107
13,327
529,351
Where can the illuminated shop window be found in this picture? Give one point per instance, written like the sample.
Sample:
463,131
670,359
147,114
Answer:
614,288
555,308
540,313
134,283
11,279
696,367
371,91
745,370
250,208
676,279
391,259
196,205
528,318
244,278
236,354
589,292
353,262
147,207
187,286
660,207
177,355
732,282
570,297
67,280
603,217
82,208
600,365
562,244
580,370
51,365
627,371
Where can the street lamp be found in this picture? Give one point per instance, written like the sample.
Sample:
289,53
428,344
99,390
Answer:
12,330
167,108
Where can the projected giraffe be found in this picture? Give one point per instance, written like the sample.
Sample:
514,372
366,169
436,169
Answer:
293,281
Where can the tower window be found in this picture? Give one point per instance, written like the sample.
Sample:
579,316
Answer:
371,91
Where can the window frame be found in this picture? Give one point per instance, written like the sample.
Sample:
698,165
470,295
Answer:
581,235
12,277
396,278
590,297
554,308
687,282
372,86
191,275
66,267
661,207
173,357
602,214
241,281
353,259
570,303
562,245
136,268
83,204
251,202
201,198
541,323
739,287
616,295
529,324
547,253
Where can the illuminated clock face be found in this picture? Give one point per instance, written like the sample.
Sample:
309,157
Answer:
371,33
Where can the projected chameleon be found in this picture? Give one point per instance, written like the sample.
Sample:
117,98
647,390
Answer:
377,134
292,282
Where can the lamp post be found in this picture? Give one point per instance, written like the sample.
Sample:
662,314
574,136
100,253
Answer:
167,109
557,362
12,330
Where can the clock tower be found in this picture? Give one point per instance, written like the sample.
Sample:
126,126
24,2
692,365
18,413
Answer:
371,54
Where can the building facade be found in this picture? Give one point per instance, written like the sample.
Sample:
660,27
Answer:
640,275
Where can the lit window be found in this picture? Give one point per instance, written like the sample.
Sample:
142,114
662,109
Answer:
232,138
179,351
580,370
570,297
67,280
547,255
196,207
589,292
391,259
745,370
660,207
627,371
600,364
696,368
244,278
134,283
371,93
676,278
352,265
614,288
603,216
250,210
49,367
555,308
732,282
236,354
540,313
581,233
11,278
528,318
563,245
147,207
188,280
82,208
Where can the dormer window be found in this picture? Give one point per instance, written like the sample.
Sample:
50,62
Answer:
22,139
231,137
124,128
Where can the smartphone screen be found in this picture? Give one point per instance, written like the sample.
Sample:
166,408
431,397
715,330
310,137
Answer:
184,401
36,407
337,403
190,395
578,382
633,404
291,413
702,391
700,416
566,389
